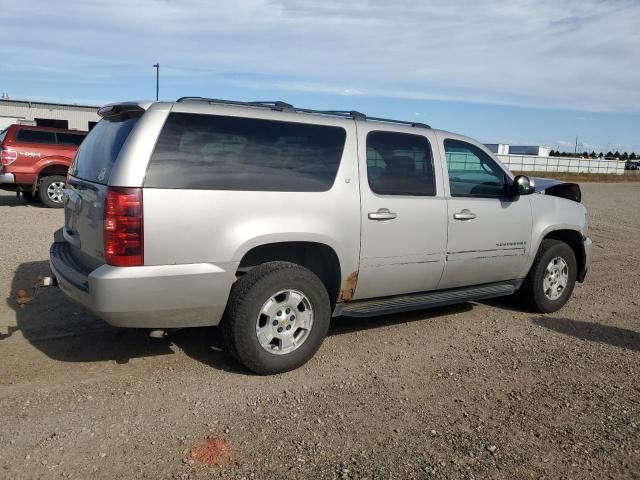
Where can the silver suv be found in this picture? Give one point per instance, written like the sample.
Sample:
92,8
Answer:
269,220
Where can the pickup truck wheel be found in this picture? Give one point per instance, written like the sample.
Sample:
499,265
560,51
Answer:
552,277
50,190
278,315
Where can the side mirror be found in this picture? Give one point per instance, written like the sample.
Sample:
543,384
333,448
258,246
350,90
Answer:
523,185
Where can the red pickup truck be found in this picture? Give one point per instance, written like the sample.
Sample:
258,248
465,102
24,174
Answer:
35,160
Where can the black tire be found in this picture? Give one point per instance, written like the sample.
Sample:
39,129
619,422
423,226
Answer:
43,190
247,297
30,198
532,290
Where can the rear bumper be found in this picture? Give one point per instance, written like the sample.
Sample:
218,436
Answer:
587,245
164,296
7,178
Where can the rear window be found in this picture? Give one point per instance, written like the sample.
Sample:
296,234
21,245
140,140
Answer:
99,150
206,152
35,136
71,139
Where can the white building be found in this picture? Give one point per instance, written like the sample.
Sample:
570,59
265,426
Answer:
532,150
60,115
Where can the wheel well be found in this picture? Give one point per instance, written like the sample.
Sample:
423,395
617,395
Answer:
317,257
53,170
574,240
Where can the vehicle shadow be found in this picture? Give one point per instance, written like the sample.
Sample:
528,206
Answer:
346,325
66,332
9,199
593,332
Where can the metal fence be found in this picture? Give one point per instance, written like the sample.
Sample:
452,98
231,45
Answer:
527,163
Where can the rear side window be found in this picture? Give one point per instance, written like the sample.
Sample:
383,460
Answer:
71,139
35,136
99,150
399,164
207,152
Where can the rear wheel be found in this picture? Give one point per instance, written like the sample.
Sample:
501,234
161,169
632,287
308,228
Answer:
278,316
51,191
552,277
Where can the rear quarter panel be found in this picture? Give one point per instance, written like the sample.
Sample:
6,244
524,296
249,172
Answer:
34,158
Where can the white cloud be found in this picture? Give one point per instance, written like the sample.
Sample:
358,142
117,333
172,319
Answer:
577,54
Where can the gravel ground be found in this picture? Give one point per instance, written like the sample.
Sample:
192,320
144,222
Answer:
480,390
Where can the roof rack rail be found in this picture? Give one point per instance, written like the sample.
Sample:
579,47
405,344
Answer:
272,104
281,106
402,122
337,113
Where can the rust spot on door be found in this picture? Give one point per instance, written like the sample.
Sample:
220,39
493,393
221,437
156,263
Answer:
349,287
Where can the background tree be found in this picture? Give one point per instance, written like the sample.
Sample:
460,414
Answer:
609,156
600,155
552,153
633,156
585,154
617,154
625,156
593,154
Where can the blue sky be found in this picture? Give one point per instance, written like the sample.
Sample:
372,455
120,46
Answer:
519,72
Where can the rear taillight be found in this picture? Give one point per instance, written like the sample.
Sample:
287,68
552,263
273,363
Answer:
8,156
123,228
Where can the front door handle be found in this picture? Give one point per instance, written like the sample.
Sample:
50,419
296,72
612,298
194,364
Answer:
382,214
464,215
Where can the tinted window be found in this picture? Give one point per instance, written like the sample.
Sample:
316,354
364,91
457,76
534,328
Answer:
229,153
99,150
35,136
73,139
3,134
399,164
472,173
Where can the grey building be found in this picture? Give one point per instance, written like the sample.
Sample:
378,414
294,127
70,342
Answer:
60,115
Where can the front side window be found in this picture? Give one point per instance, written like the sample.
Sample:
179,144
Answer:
399,164
472,173
210,152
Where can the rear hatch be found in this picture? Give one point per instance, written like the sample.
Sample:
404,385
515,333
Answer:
87,189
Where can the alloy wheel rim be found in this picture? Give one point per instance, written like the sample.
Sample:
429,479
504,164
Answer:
556,278
55,191
284,322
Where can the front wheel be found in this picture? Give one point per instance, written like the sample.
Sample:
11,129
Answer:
51,191
277,317
552,277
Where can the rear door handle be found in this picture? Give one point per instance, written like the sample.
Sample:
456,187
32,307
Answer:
464,215
382,214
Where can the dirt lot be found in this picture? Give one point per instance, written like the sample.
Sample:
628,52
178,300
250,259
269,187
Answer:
474,391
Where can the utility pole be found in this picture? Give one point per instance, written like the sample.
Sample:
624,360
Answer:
157,67
575,151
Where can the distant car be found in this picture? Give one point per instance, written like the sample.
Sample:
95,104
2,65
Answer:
35,160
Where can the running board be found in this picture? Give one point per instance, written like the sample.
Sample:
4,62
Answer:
419,301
